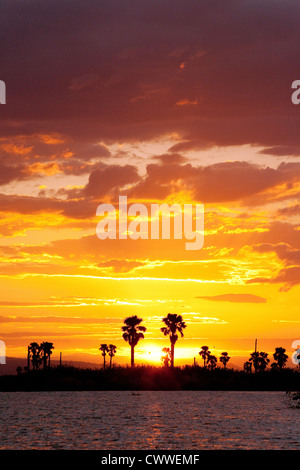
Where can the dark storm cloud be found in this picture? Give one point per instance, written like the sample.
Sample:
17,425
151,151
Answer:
220,182
10,173
103,180
82,209
215,72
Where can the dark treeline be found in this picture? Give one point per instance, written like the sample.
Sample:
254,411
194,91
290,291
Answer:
62,378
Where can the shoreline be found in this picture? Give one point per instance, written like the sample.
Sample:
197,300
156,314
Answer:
149,378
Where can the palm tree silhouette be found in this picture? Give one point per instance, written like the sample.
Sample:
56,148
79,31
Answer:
35,355
260,360
105,350
204,353
224,358
264,361
112,349
173,324
254,359
280,357
133,332
212,361
46,350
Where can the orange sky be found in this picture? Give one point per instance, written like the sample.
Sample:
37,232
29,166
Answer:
197,111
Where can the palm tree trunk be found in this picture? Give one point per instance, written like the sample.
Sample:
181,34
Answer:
132,356
172,354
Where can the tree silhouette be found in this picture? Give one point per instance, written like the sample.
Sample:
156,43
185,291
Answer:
254,359
112,349
166,358
260,360
105,350
133,332
204,353
174,324
212,361
248,367
46,351
280,357
224,358
35,355
264,361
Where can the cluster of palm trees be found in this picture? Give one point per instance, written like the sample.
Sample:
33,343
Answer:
260,360
210,360
39,354
133,332
174,325
111,350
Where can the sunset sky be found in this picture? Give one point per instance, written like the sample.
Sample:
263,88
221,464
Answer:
171,101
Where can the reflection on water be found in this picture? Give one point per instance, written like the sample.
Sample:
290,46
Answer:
148,420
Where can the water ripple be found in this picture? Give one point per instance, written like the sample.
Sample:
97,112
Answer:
148,420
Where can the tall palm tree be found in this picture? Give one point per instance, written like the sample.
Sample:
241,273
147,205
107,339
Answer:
112,349
46,350
105,350
224,358
204,353
132,333
174,324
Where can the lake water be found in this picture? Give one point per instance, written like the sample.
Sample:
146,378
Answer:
185,420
